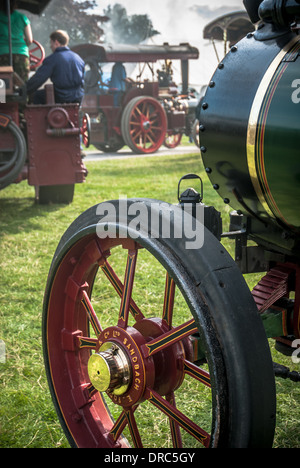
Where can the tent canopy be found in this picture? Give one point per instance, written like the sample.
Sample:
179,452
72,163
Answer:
230,27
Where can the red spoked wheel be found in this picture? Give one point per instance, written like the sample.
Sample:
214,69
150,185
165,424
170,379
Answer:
36,55
195,133
86,130
172,139
144,124
141,347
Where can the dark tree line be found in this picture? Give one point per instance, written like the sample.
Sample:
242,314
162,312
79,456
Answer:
122,28
84,25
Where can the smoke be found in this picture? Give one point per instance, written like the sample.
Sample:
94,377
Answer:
183,21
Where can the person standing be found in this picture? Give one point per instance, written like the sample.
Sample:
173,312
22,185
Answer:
21,37
64,68
117,82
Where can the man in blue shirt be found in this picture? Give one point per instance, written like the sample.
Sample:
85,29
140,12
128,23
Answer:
64,68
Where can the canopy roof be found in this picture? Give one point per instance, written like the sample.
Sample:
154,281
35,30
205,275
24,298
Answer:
232,27
135,52
34,6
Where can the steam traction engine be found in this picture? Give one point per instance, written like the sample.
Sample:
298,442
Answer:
106,360
40,144
249,146
143,113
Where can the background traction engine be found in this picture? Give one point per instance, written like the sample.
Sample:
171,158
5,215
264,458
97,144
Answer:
144,113
40,144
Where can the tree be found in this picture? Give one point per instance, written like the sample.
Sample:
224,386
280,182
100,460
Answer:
74,17
126,29
83,25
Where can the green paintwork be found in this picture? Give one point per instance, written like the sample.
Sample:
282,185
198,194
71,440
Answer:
281,146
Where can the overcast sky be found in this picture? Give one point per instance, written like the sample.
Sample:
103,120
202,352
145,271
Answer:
183,21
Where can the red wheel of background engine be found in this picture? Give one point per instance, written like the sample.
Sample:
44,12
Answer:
86,130
144,124
195,133
172,139
125,329
36,55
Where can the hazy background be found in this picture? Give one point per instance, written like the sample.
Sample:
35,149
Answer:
178,21
183,21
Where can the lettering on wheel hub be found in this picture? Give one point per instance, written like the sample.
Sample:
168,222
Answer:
117,366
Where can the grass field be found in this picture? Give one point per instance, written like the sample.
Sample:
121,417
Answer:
29,234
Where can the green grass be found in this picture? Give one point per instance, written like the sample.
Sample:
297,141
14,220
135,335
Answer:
29,234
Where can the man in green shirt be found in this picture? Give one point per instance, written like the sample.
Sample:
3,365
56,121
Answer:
21,39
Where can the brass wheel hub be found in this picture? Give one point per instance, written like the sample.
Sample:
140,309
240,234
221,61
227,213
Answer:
109,369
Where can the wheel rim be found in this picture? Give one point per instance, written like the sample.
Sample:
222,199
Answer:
195,133
36,55
100,315
144,125
156,368
86,130
146,377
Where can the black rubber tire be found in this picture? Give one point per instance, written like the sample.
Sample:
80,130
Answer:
10,171
111,147
237,351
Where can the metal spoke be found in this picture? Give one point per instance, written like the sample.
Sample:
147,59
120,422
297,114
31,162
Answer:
91,313
127,289
134,432
169,338
118,427
86,342
197,373
174,426
187,424
169,300
120,424
119,288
